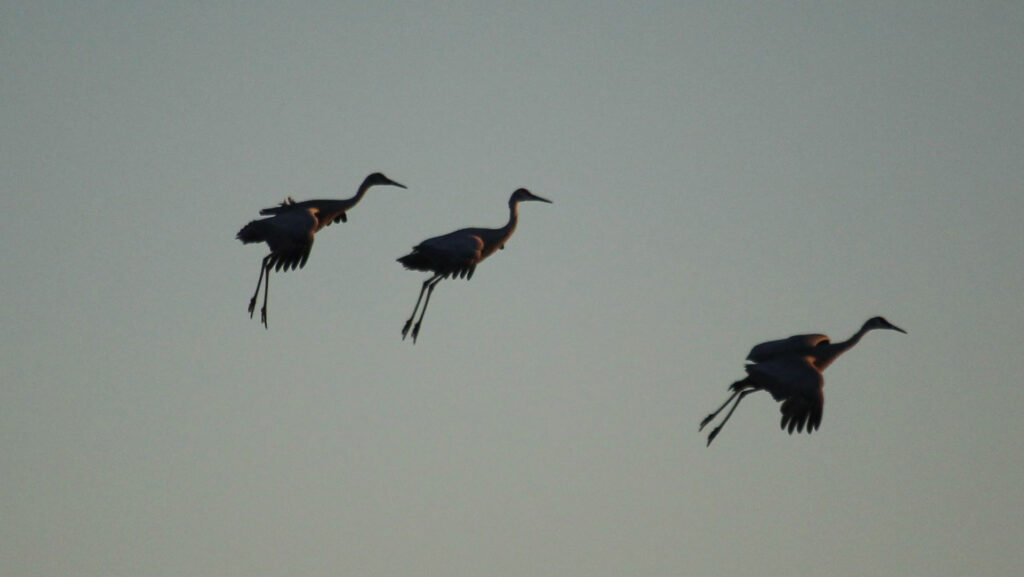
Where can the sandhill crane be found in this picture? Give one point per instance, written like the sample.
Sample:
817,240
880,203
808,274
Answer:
791,370
456,254
289,232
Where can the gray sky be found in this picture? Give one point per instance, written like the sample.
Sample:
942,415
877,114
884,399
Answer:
722,174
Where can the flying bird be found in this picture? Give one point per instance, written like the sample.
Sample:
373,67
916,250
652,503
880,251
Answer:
456,254
791,370
289,230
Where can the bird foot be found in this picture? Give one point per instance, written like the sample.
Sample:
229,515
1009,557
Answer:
263,317
252,306
405,329
705,422
415,332
714,433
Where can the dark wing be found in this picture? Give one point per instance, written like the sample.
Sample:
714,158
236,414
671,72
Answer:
798,412
290,239
793,345
455,254
798,385
286,205
327,211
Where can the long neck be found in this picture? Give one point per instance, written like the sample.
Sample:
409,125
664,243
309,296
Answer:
513,219
495,238
350,202
835,349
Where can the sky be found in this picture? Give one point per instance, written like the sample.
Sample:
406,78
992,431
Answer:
722,174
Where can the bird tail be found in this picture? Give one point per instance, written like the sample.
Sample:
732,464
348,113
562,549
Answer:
415,261
255,231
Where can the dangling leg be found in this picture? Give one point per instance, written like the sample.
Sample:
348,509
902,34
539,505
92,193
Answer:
408,323
739,397
266,291
263,269
736,389
430,291
711,417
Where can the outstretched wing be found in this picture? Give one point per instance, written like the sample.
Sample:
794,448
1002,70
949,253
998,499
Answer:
290,238
798,413
798,385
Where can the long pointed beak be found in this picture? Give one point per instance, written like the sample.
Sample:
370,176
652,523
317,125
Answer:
896,328
398,184
542,199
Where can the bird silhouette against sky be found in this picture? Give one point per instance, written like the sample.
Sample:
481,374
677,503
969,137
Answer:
456,254
290,229
791,370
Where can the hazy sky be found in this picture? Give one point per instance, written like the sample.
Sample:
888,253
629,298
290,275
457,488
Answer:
722,174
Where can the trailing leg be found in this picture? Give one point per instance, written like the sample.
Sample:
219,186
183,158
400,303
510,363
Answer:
408,323
739,397
430,290
266,291
714,414
252,301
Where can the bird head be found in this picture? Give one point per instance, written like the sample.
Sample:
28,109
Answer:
881,323
522,194
379,178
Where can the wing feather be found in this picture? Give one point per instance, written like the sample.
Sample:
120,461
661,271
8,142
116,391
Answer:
455,254
290,239
327,211
793,345
798,385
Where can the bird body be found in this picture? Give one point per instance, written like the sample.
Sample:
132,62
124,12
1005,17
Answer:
770,349
327,211
457,254
791,370
289,231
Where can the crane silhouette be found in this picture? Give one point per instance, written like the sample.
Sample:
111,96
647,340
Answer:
290,229
791,370
456,254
